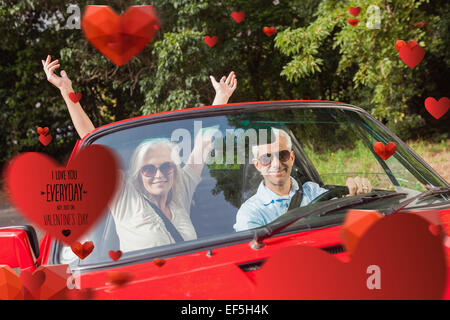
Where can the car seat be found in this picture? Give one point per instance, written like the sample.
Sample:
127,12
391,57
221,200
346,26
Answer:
105,238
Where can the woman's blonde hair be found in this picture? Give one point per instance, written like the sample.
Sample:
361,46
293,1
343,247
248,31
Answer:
137,160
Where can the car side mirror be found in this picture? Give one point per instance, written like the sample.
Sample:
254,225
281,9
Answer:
19,246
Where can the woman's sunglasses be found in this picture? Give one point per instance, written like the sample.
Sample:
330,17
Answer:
150,170
266,159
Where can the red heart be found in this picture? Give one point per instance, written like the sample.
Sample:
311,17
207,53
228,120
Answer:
411,44
435,108
238,16
435,229
355,225
353,22
80,294
11,288
42,131
354,11
420,24
56,282
412,54
32,281
159,262
399,44
384,151
119,278
399,248
211,41
115,255
45,140
82,250
128,33
37,184
75,97
269,31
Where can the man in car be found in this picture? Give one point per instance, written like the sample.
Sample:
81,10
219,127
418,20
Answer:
274,161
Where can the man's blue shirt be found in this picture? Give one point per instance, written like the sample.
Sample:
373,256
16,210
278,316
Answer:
265,206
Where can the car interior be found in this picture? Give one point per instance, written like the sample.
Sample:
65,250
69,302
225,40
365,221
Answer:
223,189
212,214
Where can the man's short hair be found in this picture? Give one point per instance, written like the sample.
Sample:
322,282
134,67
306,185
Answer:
275,133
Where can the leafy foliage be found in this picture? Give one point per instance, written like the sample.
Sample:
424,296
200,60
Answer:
314,54
380,82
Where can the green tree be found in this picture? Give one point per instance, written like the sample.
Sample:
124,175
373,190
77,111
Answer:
315,55
184,61
360,65
172,71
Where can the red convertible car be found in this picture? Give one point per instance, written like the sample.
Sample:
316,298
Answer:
331,141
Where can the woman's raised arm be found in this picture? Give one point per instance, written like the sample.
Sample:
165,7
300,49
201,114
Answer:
80,120
224,89
203,141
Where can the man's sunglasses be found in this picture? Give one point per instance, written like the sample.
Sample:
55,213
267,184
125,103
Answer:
150,170
266,159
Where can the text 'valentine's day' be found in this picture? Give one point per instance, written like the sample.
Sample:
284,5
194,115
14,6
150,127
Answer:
70,219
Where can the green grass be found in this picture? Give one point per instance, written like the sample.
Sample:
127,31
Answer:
422,147
335,166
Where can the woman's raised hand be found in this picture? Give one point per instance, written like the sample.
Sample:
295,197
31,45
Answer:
224,88
81,121
63,83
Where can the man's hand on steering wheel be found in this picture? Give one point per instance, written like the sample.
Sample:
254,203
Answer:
358,185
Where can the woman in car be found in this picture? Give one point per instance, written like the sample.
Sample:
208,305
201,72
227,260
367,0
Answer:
152,207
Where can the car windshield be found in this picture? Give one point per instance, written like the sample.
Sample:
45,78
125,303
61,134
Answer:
329,144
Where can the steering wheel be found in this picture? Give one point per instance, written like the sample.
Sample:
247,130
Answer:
335,191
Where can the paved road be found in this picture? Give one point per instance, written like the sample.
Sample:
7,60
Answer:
10,217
